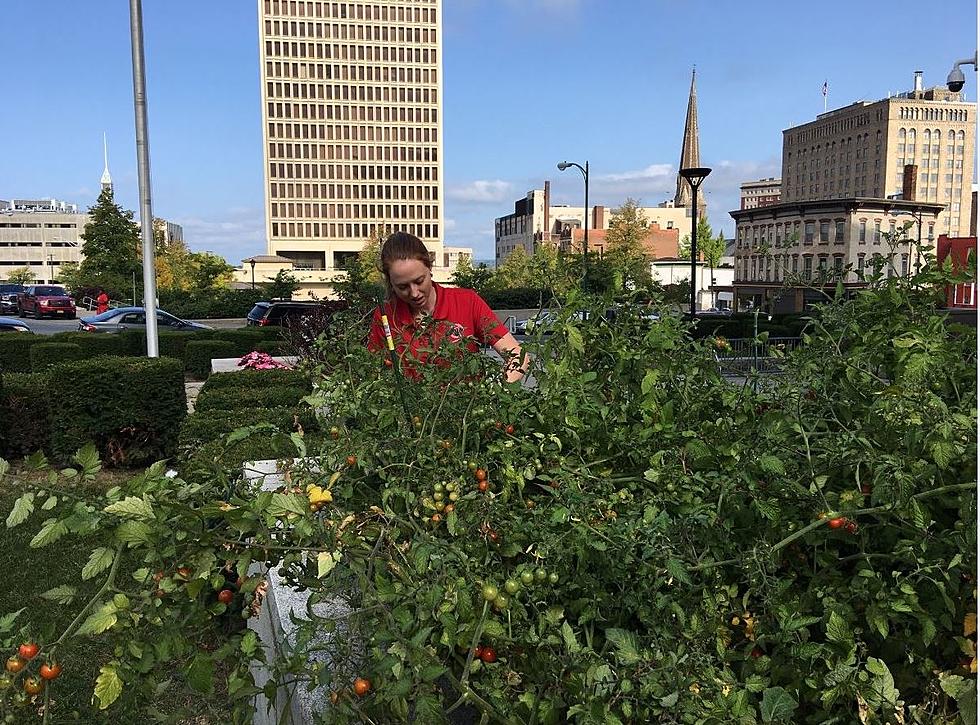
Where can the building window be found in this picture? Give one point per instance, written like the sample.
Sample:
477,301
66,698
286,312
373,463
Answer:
796,263
808,231
824,231
877,237
807,266
863,231
839,231
860,269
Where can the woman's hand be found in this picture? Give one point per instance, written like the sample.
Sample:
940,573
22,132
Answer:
515,361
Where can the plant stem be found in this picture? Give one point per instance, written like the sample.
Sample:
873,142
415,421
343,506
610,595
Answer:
110,580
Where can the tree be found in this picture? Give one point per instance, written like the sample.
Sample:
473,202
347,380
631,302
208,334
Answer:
478,278
282,286
21,275
515,271
625,253
705,240
111,243
363,283
175,266
209,271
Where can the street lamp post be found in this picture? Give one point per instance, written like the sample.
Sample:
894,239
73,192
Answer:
252,262
695,176
585,246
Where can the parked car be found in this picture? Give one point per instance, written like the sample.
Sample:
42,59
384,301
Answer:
12,324
134,318
8,296
45,299
285,313
526,327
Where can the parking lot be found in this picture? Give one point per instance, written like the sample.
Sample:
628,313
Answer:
53,327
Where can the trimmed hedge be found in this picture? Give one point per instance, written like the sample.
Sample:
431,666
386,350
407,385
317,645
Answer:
244,339
93,344
276,348
215,460
25,414
251,379
15,351
199,353
46,354
743,325
129,407
277,396
206,426
211,303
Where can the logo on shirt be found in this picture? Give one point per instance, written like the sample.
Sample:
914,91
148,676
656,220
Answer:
456,332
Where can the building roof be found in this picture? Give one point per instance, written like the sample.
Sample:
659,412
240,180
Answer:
690,149
844,205
267,259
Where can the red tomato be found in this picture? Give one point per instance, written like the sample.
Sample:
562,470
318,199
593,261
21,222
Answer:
489,655
837,523
50,670
362,686
28,650
225,596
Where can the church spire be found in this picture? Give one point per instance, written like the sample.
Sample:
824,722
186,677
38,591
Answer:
106,179
690,151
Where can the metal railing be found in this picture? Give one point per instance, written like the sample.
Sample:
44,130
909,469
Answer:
742,355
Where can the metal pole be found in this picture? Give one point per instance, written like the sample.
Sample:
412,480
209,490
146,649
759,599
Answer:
585,252
143,167
694,245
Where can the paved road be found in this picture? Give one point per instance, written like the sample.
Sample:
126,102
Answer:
52,327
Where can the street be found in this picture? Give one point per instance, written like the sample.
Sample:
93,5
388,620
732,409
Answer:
53,327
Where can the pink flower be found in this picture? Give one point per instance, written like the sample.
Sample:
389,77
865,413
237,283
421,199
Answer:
260,361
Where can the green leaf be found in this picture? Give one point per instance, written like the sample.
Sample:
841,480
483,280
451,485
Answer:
326,561
670,700
200,674
297,440
250,643
108,686
772,465
626,644
23,507
131,507
51,531
7,620
99,621
777,704
493,629
99,561
837,629
63,594
571,643
287,503
649,381
676,569
575,339
88,460
756,683
4,467
134,532
49,503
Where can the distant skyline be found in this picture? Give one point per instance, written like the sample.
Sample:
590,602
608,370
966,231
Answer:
528,83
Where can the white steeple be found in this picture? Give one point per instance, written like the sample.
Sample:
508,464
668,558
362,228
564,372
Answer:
106,179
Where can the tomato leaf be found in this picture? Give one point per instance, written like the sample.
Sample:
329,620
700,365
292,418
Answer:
134,532
287,503
837,629
200,674
23,507
626,644
63,594
51,531
7,620
131,507
99,621
99,561
777,705
568,635
326,561
108,686
88,460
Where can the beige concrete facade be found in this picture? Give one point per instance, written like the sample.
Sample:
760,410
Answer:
861,150
352,128
781,248
41,240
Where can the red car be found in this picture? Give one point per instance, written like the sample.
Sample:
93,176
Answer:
45,299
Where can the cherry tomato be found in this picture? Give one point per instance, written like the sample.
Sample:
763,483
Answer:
540,575
756,652
33,686
28,650
494,536
837,523
851,527
498,425
501,601
351,461
225,596
527,577
510,430
362,686
50,670
15,664
489,592
471,465
552,578
436,518
450,508
512,586
488,655
480,474
483,486
477,652
184,572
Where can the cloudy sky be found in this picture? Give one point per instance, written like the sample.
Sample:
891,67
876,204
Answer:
528,83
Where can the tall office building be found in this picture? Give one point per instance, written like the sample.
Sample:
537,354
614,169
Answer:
352,128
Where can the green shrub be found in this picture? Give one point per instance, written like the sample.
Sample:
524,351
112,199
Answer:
47,354
260,397
94,344
25,414
219,460
276,348
15,351
244,339
250,379
203,427
199,353
130,407
211,303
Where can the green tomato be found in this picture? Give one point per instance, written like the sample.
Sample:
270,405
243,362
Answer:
540,575
511,586
439,488
450,487
490,592
5,682
527,577
552,578
438,495
454,496
501,601
472,465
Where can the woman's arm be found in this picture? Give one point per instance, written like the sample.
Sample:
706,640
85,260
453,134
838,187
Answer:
515,362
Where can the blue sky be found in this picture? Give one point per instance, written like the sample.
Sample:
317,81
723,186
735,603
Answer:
527,84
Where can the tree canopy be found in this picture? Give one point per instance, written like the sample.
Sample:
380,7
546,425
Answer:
110,248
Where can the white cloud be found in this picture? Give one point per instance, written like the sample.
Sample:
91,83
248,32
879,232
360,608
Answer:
234,233
653,171
449,225
481,192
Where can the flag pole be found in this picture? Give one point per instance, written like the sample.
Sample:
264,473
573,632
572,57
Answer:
825,96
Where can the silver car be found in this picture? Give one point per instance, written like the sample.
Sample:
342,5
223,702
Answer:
134,318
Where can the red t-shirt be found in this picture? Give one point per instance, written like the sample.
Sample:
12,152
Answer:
459,313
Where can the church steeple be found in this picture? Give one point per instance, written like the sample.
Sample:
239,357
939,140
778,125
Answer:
690,151
106,179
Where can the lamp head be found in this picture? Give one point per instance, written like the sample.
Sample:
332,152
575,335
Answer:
695,175
563,165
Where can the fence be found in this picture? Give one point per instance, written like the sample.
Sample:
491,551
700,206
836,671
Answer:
742,355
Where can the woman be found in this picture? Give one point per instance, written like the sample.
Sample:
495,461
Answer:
456,313
102,303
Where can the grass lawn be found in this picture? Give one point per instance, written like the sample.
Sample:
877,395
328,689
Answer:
30,572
